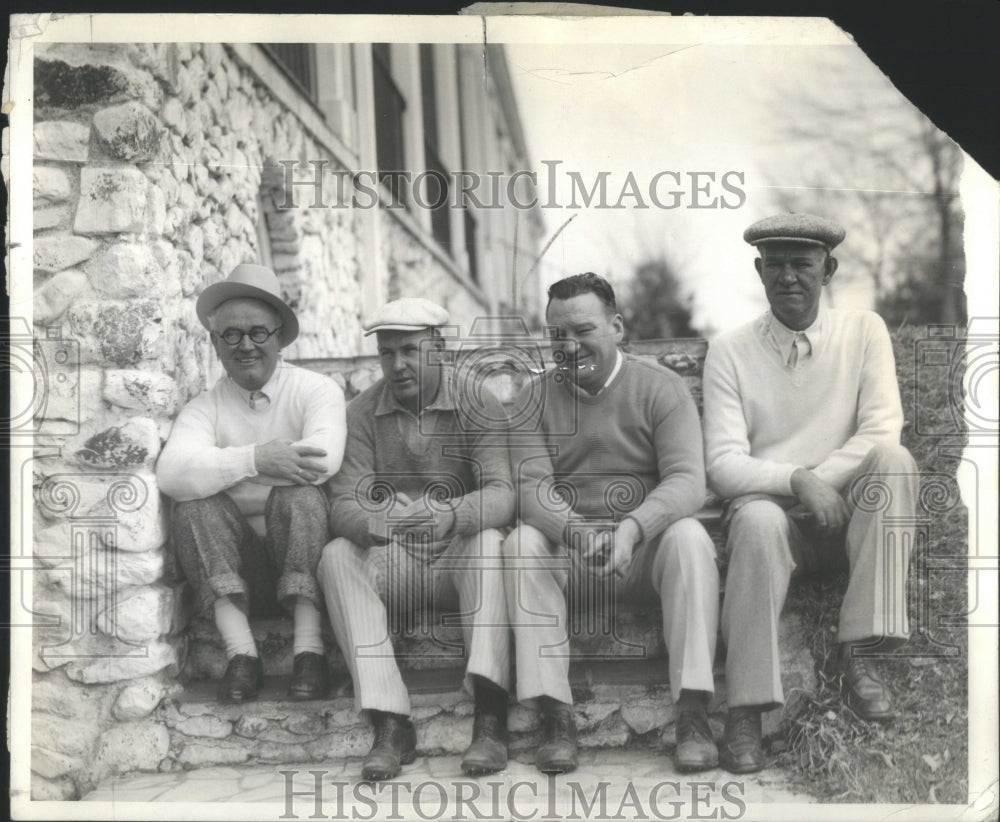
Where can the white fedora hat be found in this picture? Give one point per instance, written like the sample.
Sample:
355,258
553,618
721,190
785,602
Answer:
254,281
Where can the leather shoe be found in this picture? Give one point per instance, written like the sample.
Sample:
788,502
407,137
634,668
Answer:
488,751
395,745
242,679
310,677
557,751
741,750
864,690
696,750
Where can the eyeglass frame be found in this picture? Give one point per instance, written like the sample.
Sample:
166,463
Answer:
247,334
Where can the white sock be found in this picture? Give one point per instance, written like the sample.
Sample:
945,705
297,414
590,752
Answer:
308,636
234,627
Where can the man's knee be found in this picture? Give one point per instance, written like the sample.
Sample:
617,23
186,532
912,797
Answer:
687,538
758,531
201,510
336,556
300,499
524,542
891,458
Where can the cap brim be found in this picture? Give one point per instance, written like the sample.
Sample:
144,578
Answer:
397,327
803,240
218,293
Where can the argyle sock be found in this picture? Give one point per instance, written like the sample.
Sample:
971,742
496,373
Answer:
234,627
308,636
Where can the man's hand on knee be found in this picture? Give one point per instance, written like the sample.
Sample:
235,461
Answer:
626,537
282,460
821,501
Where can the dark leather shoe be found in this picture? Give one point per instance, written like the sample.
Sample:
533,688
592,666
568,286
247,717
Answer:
242,679
741,750
864,690
557,751
488,751
395,745
696,750
310,677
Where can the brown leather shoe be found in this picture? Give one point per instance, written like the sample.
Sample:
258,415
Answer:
395,745
864,690
310,677
488,751
741,750
242,679
557,751
696,750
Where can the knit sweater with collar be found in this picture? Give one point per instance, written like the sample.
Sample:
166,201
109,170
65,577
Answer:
634,449
765,418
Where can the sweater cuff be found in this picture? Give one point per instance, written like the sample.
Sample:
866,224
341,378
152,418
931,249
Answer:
467,520
237,464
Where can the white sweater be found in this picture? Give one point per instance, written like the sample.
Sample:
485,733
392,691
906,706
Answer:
764,419
211,444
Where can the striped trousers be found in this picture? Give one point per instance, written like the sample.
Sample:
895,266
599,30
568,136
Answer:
373,593
766,546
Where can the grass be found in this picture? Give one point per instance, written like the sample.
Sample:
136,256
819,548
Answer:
921,757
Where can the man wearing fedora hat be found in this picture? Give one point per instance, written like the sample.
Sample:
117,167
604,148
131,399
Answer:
415,511
243,463
802,426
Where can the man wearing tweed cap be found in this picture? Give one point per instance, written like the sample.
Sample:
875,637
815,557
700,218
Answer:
802,425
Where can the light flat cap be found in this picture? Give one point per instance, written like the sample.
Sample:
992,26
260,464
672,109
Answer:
407,314
798,228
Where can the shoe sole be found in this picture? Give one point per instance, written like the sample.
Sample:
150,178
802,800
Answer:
406,759
472,769
694,767
740,769
299,696
556,768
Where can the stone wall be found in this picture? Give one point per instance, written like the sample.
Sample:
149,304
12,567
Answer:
152,163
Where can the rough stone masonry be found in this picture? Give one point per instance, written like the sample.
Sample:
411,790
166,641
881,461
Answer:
153,177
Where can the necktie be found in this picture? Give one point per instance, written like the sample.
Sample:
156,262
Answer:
259,401
801,349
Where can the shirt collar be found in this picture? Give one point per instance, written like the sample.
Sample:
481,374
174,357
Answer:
269,389
783,337
444,401
619,359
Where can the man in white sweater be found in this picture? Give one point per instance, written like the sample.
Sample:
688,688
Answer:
244,463
802,422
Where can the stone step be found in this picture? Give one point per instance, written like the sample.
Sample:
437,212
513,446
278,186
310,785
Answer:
617,703
634,635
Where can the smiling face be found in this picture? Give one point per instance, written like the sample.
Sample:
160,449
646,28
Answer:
249,364
403,356
793,275
585,337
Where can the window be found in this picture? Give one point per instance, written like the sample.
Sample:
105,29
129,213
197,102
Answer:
298,61
437,179
389,107
471,226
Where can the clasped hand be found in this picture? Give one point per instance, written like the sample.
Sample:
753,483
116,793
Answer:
283,460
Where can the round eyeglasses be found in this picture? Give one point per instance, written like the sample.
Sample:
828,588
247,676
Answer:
258,335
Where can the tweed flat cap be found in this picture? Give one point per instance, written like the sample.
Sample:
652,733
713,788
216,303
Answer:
800,228
406,314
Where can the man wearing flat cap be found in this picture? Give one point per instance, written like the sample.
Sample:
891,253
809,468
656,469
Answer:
243,463
415,511
802,425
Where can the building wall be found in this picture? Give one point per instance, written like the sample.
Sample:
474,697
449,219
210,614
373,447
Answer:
156,171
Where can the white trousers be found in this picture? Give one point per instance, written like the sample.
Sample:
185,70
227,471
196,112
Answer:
366,590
